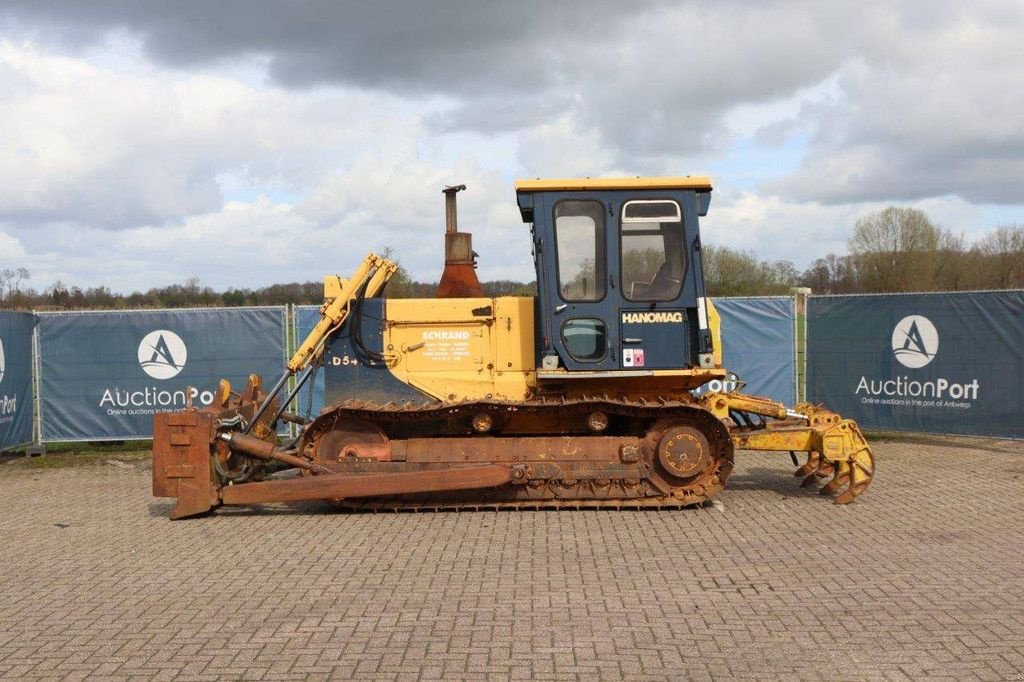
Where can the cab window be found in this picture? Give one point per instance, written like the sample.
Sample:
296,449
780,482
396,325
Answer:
653,260
584,338
579,231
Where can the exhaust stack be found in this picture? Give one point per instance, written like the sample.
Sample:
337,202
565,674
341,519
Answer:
459,278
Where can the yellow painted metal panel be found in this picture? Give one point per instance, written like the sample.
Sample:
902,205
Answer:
697,182
436,310
715,325
443,348
462,348
514,335
333,286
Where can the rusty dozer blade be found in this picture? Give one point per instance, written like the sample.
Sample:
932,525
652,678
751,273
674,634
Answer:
181,461
835,446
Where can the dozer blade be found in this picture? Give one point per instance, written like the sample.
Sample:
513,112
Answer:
181,462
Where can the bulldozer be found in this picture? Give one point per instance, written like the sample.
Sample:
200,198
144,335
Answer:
584,395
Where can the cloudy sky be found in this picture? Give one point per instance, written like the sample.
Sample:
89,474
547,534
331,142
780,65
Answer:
249,142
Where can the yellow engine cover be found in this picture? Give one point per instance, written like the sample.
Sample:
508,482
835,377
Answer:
463,348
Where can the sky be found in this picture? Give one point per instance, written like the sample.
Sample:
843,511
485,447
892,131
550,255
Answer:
246,143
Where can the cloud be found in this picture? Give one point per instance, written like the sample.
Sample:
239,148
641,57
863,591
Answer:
653,78
927,88
82,144
251,244
454,47
925,110
775,228
299,139
11,251
107,149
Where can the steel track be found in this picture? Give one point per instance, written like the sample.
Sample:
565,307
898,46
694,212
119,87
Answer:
654,489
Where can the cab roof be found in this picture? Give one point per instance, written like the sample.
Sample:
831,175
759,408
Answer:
701,183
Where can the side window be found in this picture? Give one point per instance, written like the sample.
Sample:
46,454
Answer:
584,338
579,239
653,258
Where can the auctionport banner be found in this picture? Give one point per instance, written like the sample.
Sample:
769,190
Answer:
758,346
939,363
15,378
104,374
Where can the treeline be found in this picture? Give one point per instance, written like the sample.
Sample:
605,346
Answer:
893,250
900,249
59,296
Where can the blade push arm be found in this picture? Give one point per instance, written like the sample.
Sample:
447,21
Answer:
373,273
369,278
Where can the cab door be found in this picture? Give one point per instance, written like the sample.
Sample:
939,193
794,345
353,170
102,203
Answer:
653,318
577,281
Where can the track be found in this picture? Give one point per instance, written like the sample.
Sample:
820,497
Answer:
601,473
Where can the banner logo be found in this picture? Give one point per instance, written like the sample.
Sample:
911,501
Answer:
915,341
8,403
162,354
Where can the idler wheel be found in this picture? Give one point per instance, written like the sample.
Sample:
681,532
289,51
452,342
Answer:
684,451
352,438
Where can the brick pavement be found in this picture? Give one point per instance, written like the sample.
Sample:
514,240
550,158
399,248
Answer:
921,577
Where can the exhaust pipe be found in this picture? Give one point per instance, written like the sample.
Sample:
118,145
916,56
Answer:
459,278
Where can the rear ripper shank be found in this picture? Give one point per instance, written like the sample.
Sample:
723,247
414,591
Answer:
580,396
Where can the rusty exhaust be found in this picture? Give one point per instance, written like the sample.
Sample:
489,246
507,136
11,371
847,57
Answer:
459,278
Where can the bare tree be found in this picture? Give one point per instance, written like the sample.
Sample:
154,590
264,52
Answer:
1002,257
954,270
400,285
831,275
896,249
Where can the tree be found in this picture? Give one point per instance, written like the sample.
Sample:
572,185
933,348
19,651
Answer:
20,275
954,269
6,282
58,294
400,285
1002,257
831,275
730,272
896,249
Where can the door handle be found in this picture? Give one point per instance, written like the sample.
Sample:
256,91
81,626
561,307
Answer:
632,340
560,308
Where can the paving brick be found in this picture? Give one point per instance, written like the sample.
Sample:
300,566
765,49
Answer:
921,577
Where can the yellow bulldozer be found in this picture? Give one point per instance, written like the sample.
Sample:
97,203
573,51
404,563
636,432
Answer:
580,396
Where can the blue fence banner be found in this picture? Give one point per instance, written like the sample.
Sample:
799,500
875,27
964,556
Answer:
103,375
16,393
940,363
311,398
759,345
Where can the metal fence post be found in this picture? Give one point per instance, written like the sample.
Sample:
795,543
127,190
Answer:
37,447
800,296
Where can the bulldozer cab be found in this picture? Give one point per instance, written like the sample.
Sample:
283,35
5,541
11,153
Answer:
620,287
